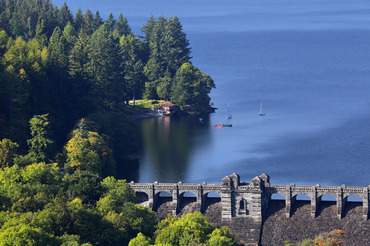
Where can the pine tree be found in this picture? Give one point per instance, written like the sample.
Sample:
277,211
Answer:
78,20
176,49
57,52
69,33
80,80
110,23
133,65
121,27
147,29
57,70
41,141
41,36
156,66
64,15
105,69
88,26
79,58
98,21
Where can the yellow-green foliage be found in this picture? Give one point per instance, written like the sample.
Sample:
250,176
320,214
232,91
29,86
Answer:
333,238
148,104
191,229
89,151
7,152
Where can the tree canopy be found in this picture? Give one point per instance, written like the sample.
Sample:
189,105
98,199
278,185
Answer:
65,83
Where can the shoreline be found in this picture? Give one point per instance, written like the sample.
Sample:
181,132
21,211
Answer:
145,115
139,114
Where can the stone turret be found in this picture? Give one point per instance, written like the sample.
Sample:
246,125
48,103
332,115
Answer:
266,179
226,181
235,180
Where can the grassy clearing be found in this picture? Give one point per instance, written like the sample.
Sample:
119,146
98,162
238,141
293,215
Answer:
148,104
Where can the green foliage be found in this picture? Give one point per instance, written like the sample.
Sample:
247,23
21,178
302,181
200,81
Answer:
191,86
79,73
83,185
64,15
29,188
333,238
4,38
89,151
116,193
105,69
70,35
172,230
88,24
41,140
41,36
78,21
110,23
140,240
20,232
97,22
133,53
57,52
221,237
7,152
122,130
44,70
121,27
133,219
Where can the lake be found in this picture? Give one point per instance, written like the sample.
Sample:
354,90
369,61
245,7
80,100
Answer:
307,61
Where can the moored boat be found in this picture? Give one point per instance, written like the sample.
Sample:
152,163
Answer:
223,125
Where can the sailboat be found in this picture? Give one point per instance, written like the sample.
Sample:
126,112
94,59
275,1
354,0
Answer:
261,114
228,112
229,116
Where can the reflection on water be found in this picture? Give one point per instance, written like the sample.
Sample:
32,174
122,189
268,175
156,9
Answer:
168,146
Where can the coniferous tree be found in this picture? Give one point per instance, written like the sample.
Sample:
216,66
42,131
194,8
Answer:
79,60
176,49
121,27
41,36
156,64
97,22
147,29
133,66
88,25
16,27
64,15
41,141
7,152
78,20
69,33
17,87
110,23
105,68
57,52
78,71
57,68
39,87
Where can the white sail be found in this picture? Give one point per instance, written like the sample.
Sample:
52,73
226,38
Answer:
261,114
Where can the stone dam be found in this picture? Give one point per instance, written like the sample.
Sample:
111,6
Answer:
260,213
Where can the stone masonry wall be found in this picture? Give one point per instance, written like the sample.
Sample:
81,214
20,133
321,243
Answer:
277,228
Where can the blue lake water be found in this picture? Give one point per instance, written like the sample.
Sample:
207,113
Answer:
308,62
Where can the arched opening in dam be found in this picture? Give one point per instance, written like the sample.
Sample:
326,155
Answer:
142,198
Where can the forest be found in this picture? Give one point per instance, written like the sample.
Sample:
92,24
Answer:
65,83
74,66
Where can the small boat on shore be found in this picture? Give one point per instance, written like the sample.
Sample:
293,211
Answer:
223,125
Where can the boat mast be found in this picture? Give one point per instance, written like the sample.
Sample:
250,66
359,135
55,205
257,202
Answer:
261,108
